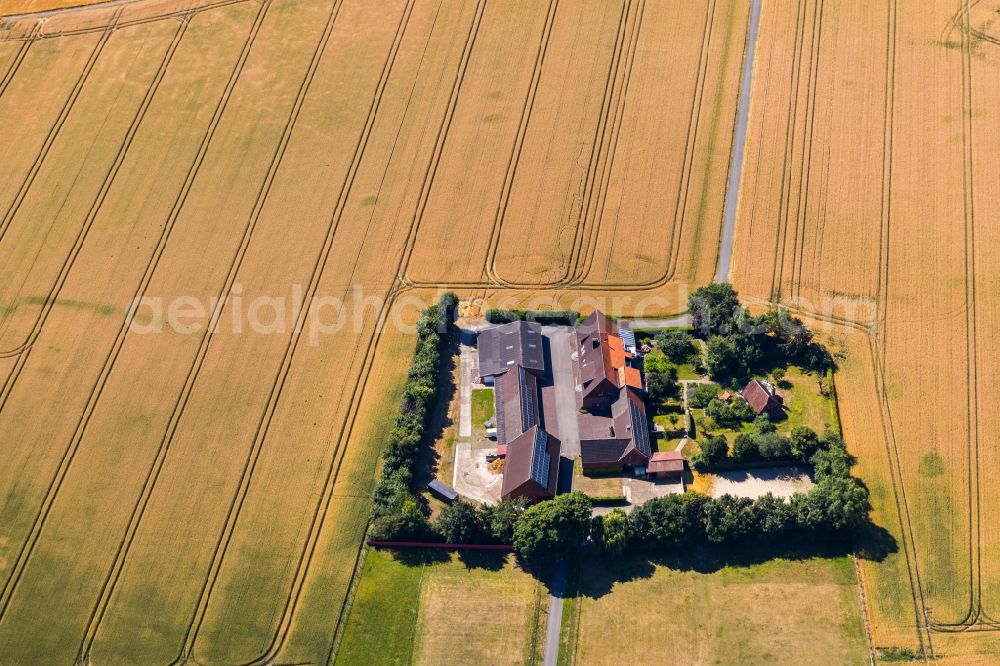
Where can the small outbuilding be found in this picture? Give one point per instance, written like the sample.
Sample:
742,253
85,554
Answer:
666,465
447,493
762,397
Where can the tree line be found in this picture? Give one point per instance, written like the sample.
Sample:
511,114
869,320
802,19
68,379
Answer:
543,317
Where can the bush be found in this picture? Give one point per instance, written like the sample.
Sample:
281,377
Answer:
662,385
804,443
677,345
743,411
499,519
713,307
729,519
670,522
459,522
408,524
612,533
831,463
745,447
703,394
722,358
549,530
543,317
762,424
773,446
837,505
773,517
722,414
713,452
656,362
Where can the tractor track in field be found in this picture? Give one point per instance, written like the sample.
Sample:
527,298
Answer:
440,140
277,386
806,159
524,122
592,213
690,147
784,193
100,607
55,484
877,346
42,17
22,51
359,387
975,618
682,195
592,219
53,132
23,351
490,278
576,274
600,126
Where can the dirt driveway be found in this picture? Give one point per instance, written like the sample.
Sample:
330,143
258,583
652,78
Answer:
473,477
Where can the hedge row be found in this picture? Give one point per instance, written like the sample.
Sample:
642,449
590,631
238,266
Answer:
393,499
607,500
543,317
763,444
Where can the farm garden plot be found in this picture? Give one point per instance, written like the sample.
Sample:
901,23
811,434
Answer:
868,180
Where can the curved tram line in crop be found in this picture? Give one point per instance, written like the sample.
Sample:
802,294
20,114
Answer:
55,484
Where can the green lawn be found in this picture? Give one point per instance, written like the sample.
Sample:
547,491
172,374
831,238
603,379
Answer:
482,408
383,613
805,404
434,607
686,371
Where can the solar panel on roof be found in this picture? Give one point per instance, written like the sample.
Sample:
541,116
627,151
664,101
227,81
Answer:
640,429
540,458
527,401
628,338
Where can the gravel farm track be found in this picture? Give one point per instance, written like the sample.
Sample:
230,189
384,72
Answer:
226,153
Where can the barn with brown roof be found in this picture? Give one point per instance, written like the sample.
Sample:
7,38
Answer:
515,396
531,469
517,344
617,439
666,465
603,362
762,397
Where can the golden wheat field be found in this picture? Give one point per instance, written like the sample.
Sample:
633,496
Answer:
868,201
179,488
182,486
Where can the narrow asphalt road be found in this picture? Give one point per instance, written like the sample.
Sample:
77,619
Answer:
721,275
552,629
739,144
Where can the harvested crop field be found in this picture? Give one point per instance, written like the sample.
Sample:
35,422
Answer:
193,188
868,198
778,612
